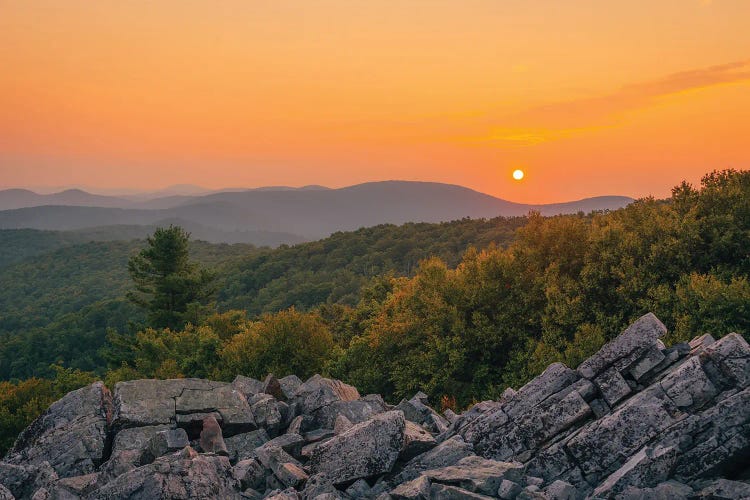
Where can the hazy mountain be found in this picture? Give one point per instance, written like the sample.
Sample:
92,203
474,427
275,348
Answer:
302,213
22,198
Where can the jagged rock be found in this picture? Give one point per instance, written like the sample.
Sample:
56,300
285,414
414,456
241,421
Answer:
647,468
250,474
449,452
71,435
284,466
626,348
416,441
167,441
508,490
242,446
688,386
272,386
416,489
647,362
287,494
476,474
365,450
725,489
417,411
211,439
247,386
612,385
342,423
445,492
269,413
359,489
74,487
289,385
5,493
732,355
699,343
289,442
356,412
669,490
24,480
181,475
318,392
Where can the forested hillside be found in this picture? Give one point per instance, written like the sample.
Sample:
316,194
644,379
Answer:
459,325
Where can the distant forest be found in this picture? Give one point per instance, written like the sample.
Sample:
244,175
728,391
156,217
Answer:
459,310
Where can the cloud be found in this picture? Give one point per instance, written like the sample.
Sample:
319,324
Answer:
563,119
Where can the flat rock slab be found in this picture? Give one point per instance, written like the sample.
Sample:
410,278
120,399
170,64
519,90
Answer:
476,474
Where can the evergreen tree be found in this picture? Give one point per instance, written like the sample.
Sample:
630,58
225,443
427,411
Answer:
172,289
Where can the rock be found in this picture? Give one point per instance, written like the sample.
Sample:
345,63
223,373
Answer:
272,386
417,411
318,485
732,355
627,347
450,415
289,385
318,392
647,468
269,413
476,474
560,490
416,489
445,492
555,378
725,489
416,441
289,442
211,439
449,452
508,490
363,451
699,343
74,487
612,385
71,435
669,490
242,446
23,480
285,467
355,411
287,494
181,475
648,361
247,386
342,423
688,386
5,493
359,489
167,441
250,474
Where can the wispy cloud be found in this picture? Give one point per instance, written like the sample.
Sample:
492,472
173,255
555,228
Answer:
564,119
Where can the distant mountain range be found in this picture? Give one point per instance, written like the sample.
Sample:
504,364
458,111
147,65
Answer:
273,215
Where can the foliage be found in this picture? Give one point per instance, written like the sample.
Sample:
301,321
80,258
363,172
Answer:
171,288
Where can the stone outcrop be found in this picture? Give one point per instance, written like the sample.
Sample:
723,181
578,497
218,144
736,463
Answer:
635,420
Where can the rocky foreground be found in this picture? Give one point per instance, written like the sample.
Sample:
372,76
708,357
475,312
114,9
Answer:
636,420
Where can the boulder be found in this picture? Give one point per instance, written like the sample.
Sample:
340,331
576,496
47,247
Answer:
5,493
247,386
732,355
318,392
242,446
626,347
416,489
269,414
476,474
71,435
211,439
289,385
23,480
167,441
449,452
669,490
181,475
416,441
365,450
725,489
250,474
647,468
446,492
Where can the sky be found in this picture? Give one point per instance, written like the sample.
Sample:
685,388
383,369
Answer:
586,97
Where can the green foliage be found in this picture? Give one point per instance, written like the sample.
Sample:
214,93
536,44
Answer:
171,288
283,343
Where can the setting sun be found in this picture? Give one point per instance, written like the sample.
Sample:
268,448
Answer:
518,174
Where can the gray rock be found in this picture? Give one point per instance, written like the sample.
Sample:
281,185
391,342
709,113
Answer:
647,362
476,474
250,474
269,414
272,386
242,446
71,435
560,490
417,411
289,442
287,494
23,480
555,378
416,441
365,450
688,386
732,355
725,489
647,468
289,385
612,385
669,490
446,492
508,490
167,441
342,424
359,489
416,489
355,411
628,346
181,475
74,487
449,452
5,493
284,466
699,343
318,392
247,386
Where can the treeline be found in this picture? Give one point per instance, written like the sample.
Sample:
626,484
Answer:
463,329
57,306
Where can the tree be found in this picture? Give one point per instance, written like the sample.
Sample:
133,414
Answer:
172,289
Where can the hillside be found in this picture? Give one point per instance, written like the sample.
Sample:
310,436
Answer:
296,214
635,420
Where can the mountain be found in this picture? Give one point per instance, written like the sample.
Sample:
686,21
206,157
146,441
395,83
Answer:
23,198
304,213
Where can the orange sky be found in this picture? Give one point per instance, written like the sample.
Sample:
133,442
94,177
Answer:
588,97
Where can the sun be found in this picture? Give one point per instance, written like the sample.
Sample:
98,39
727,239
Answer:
518,174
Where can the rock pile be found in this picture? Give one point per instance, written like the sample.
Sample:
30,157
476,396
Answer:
636,420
